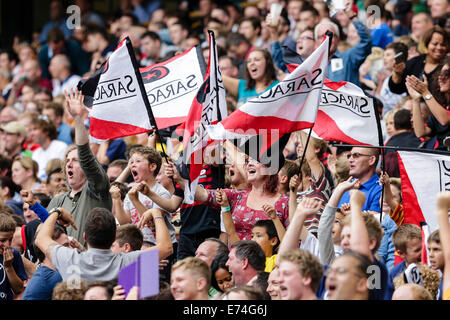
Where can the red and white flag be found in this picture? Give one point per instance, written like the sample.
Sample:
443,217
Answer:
115,96
172,85
208,108
289,106
346,115
423,176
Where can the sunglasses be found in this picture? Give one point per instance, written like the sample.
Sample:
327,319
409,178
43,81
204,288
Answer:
356,155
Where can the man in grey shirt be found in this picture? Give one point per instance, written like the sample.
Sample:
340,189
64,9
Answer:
88,182
98,262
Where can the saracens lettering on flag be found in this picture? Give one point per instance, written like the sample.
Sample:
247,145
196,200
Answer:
115,97
423,176
346,114
172,85
289,106
208,107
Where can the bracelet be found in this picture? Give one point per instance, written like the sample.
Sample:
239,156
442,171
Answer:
353,17
158,217
225,209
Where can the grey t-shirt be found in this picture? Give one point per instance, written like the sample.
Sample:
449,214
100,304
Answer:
149,233
90,265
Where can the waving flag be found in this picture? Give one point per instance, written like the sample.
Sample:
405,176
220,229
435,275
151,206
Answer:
208,107
115,96
172,85
423,176
345,113
289,106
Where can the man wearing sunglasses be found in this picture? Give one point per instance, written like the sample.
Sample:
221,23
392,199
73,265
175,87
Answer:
363,164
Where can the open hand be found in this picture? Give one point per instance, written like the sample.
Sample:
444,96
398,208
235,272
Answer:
270,211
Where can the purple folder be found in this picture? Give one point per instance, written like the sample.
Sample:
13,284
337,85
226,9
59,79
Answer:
144,273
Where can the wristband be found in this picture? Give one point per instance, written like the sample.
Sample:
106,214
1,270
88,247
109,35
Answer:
56,210
353,17
158,217
225,209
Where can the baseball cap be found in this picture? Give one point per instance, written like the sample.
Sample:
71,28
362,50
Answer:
14,127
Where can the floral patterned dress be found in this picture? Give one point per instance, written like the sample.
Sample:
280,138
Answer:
244,217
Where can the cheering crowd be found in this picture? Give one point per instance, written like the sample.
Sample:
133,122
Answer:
330,223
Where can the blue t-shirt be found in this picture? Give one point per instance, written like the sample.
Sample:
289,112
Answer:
394,272
440,290
6,292
382,36
244,94
64,133
372,190
116,150
41,285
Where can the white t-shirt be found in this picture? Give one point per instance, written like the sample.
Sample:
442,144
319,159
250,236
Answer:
56,150
149,233
70,83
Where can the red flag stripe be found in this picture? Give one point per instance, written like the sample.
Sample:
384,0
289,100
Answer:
413,213
245,121
108,130
326,128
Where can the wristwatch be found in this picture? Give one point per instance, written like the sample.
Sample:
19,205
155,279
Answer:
55,210
428,96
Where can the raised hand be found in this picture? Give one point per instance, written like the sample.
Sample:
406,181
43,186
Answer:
119,293
345,208
443,200
8,258
221,198
115,192
357,198
66,219
75,105
28,197
415,83
349,184
308,206
294,183
270,211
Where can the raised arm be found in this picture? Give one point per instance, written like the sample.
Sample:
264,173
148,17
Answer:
389,198
228,222
359,240
95,175
170,205
326,244
436,109
443,205
420,130
231,85
294,185
122,216
44,239
306,207
311,157
162,235
133,195
272,214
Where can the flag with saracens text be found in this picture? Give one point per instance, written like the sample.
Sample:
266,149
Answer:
115,97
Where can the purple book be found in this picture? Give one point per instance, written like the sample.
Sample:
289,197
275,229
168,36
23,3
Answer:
143,273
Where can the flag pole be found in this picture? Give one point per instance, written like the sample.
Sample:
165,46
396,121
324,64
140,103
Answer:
304,153
219,116
330,39
145,98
